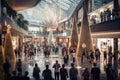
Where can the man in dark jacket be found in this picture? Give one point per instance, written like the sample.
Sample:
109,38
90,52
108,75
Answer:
63,73
109,72
95,73
6,67
25,77
73,72
36,71
47,74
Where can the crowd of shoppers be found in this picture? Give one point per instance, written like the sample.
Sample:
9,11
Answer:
104,16
60,72
90,56
47,73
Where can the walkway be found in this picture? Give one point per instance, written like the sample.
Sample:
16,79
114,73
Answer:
42,61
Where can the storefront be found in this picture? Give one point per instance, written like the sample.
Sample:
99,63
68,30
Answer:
105,44
15,41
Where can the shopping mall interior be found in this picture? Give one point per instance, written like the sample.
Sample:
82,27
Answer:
75,39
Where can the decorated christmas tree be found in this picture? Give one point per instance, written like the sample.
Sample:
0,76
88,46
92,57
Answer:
8,49
74,35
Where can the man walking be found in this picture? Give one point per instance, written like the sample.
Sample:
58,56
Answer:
73,72
56,66
95,73
63,73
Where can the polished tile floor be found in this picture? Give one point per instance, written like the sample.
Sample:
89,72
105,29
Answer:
42,61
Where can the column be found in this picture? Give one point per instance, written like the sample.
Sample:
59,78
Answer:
20,41
91,5
116,8
116,57
64,25
116,5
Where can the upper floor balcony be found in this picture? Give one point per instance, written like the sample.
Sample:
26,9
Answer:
63,33
10,17
103,14
105,22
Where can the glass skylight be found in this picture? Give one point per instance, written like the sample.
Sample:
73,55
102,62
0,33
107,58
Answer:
59,9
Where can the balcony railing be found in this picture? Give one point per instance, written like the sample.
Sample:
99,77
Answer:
13,24
104,14
104,17
12,14
16,27
46,33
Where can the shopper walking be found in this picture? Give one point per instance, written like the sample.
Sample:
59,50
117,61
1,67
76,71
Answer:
19,65
6,67
73,72
47,74
56,67
95,72
86,74
63,73
66,58
109,72
36,72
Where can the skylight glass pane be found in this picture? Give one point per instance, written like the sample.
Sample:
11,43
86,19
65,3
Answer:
50,1
63,3
63,8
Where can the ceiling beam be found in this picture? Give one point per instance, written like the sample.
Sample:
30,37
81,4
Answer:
64,3
52,3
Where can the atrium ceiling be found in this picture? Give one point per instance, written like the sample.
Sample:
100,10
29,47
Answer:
49,10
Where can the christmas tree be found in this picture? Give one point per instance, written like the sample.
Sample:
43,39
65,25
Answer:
9,52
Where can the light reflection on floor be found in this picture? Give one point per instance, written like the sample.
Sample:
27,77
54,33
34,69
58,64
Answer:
42,61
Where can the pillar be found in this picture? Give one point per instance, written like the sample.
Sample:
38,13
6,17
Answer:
116,5
20,41
50,37
8,49
116,8
74,35
85,40
64,25
91,5
116,57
